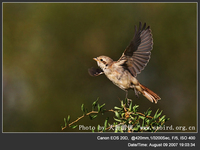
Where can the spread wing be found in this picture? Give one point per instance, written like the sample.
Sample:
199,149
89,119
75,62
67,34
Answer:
95,71
137,54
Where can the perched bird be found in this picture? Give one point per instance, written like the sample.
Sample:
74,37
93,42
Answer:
134,59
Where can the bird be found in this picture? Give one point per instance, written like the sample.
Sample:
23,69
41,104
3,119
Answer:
134,59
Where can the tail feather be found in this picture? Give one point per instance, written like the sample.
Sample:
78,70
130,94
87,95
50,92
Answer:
150,95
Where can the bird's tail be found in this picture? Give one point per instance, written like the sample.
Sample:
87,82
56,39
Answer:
150,95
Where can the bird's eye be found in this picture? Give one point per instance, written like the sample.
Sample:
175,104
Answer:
101,59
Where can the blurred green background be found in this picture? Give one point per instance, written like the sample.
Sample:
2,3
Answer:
48,48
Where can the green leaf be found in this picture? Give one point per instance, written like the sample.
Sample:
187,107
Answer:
122,104
73,126
143,122
98,128
117,108
118,120
135,108
116,130
94,104
155,116
105,124
162,118
136,128
149,113
130,106
147,121
118,127
95,116
92,130
68,118
102,105
159,114
142,117
83,109
122,115
98,107
117,114
92,116
165,119
65,121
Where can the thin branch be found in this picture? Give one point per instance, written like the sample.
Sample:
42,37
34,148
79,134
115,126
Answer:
92,112
125,113
159,127
144,115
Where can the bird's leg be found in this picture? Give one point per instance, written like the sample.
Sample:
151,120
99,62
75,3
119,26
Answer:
126,94
128,100
136,92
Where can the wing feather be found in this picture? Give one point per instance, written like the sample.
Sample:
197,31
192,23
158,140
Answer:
95,71
138,52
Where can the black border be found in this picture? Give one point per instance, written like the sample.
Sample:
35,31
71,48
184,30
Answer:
64,140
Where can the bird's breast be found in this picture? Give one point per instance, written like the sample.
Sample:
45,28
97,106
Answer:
120,78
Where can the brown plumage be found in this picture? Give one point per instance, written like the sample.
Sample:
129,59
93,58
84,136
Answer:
134,59
150,95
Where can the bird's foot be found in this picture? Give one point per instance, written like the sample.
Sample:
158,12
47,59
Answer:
128,101
136,92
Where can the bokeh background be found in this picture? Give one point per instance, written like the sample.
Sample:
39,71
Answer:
48,48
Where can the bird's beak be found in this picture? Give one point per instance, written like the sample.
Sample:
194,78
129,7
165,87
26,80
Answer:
95,59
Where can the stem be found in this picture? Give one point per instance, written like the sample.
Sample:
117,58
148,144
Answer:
92,112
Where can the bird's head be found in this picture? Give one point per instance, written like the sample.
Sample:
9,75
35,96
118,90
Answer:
103,62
